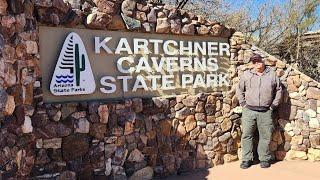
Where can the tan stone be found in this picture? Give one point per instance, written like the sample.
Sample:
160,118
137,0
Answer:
270,62
296,140
181,130
200,152
280,64
216,30
128,128
292,88
141,16
103,112
230,158
211,99
297,103
203,30
10,106
305,78
3,7
313,154
296,155
32,47
98,20
190,123
54,143
163,25
188,29
226,124
211,119
313,93
144,173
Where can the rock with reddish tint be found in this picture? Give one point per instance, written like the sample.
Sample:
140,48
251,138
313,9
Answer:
8,54
141,16
32,47
190,101
107,6
98,130
203,30
103,112
67,175
163,26
116,23
226,124
128,128
216,30
190,123
175,26
74,146
61,5
137,105
188,29
7,104
144,173
24,162
98,20
136,156
3,7
313,93
182,113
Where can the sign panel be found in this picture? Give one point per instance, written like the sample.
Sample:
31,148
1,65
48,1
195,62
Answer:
84,65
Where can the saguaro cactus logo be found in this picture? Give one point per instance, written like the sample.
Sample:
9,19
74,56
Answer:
73,74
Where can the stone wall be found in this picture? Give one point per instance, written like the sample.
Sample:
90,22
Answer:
135,137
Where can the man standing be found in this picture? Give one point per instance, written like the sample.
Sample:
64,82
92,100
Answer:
259,92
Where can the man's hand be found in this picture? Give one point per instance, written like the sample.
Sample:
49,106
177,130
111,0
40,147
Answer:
243,104
272,107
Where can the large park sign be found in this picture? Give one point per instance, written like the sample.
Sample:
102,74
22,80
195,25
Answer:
82,64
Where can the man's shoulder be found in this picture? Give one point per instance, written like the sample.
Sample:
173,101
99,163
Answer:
247,73
272,71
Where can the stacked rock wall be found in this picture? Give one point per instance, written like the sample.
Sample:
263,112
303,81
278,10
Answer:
135,137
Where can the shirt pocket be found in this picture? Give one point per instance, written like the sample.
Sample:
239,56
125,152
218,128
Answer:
267,91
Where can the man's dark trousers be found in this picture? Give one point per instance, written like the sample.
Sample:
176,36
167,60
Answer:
251,120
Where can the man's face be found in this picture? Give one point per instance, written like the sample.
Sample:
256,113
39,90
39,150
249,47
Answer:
258,65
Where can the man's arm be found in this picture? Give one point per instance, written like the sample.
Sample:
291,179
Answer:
240,91
278,94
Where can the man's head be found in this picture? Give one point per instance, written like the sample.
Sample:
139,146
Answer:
258,63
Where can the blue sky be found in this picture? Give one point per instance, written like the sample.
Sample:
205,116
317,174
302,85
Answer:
252,3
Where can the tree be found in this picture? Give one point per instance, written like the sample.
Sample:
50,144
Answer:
275,26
